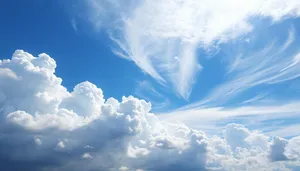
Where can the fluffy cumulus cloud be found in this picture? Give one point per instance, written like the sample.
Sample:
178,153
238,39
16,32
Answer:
45,127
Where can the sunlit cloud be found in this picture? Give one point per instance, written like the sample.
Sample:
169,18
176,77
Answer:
268,118
80,130
162,37
43,126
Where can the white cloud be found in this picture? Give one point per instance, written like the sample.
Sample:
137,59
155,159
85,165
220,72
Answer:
87,156
162,37
123,168
147,91
60,145
274,63
277,149
290,130
212,120
38,141
74,25
85,99
45,127
292,148
5,72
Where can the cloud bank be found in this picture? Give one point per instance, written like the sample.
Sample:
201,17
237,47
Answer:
162,37
45,127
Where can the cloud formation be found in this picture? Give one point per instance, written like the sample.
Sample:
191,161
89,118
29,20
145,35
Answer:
162,37
277,62
45,127
273,119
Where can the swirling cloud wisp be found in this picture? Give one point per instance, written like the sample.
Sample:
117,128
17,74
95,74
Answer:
162,37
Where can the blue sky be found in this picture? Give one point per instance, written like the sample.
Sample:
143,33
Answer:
150,85
85,48
82,55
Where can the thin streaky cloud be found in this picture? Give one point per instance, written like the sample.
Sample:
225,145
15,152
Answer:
218,113
48,123
213,120
147,91
285,131
270,65
162,37
256,98
74,25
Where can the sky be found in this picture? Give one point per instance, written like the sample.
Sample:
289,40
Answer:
150,85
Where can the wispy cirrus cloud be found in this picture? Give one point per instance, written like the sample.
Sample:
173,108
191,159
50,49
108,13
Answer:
246,68
271,119
146,90
162,37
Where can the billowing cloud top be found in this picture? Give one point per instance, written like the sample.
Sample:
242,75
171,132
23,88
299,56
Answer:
45,127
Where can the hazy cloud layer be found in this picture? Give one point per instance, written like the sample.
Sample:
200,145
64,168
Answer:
45,127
